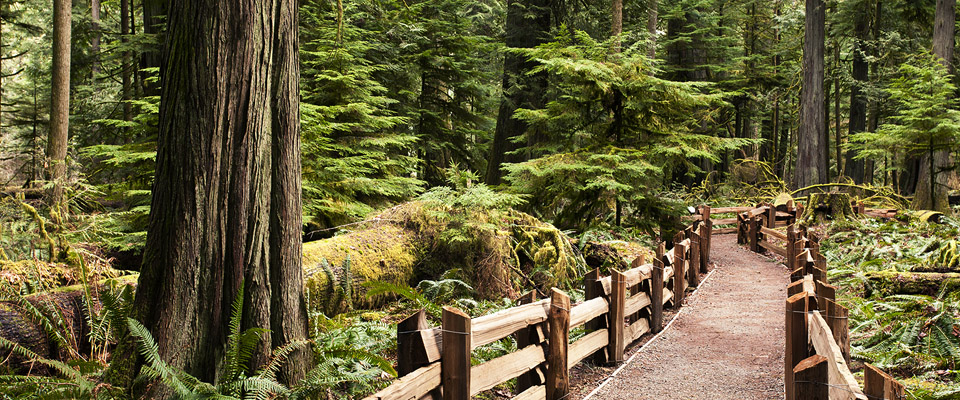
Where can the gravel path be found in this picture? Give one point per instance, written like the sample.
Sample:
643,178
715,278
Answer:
727,342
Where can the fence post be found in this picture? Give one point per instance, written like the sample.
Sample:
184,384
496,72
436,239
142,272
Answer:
754,234
811,379
694,257
679,275
836,318
455,355
656,293
618,298
878,385
531,336
592,288
795,345
743,228
558,320
771,217
791,247
705,238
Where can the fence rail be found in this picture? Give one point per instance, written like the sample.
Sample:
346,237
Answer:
817,346
434,362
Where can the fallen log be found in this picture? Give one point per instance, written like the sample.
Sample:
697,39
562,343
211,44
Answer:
885,283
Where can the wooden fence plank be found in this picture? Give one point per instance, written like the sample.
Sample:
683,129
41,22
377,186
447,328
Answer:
455,368
637,329
811,379
594,289
493,327
772,232
558,378
753,234
412,386
534,393
586,346
771,218
588,311
773,248
837,319
411,353
636,303
615,317
843,384
501,369
679,274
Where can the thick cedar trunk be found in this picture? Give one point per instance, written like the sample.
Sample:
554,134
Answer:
858,99
59,100
519,89
616,18
811,160
226,198
937,176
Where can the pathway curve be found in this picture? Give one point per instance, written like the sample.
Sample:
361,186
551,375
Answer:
727,342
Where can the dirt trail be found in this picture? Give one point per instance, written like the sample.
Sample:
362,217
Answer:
727,342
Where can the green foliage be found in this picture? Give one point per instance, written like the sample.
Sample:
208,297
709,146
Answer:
613,133
429,295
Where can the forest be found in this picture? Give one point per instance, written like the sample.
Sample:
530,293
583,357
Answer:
203,199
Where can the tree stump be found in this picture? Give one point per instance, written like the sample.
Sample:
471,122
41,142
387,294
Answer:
824,207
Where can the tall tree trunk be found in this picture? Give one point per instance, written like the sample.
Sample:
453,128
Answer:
616,19
858,99
154,12
59,102
125,68
228,211
811,160
836,106
873,121
520,90
95,37
652,6
938,175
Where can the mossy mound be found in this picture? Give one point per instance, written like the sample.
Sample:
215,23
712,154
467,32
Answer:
499,251
41,275
886,283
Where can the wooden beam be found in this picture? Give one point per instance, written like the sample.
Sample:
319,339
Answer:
486,376
589,310
795,345
838,320
411,353
842,383
558,378
771,232
412,386
774,248
586,346
679,274
493,327
694,274
455,368
534,393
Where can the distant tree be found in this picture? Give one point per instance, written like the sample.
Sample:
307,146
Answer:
59,102
934,182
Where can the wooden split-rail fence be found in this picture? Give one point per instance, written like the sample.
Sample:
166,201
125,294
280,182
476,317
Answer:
817,347
435,362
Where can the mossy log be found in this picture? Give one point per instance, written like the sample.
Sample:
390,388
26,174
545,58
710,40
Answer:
886,283
825,207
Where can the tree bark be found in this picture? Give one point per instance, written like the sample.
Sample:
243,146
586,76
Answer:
858,99
226,198
934,183
153,25
519,89
811,160
652,6
125,68
95,36
616,19
59,102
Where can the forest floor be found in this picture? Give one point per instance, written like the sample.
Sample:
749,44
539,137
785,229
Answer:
726,343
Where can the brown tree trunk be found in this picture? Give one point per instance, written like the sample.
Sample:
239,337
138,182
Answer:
125,68
153,25
519,89
873,121
858,99
616,19
935,181
652,28
227,211
59,101
95,36
811,160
